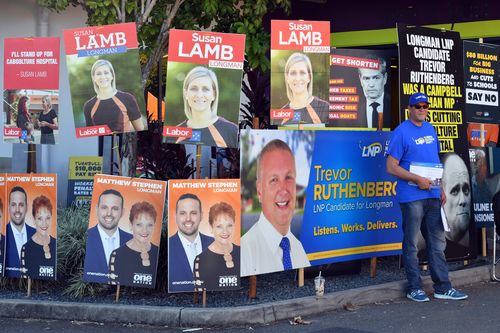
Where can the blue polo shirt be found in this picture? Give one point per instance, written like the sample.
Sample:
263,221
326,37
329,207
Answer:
414,144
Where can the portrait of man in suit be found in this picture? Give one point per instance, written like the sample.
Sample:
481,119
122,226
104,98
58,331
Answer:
18,232
374,110
186,243
105,237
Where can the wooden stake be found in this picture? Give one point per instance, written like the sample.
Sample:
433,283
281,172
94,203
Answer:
115,145
198,162
483,231
112,157
160,92
31,158
255,123
380,124
29,288
252,287
373,267
481,143
252,280
117,296
301,277
195,297
204,297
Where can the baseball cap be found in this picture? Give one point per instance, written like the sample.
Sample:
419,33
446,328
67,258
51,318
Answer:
418,98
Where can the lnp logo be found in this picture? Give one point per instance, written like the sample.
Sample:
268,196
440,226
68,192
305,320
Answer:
420,141
428,139
371,150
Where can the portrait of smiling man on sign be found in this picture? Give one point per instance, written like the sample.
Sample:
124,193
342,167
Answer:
105,237
269,245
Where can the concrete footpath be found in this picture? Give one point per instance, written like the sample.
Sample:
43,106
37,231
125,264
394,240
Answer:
224,317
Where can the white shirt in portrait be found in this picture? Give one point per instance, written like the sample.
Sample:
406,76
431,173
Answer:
261,252
192,249
109,243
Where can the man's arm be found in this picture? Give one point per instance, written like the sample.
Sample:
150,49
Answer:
395,169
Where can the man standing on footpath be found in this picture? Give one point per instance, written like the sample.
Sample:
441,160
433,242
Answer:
415,141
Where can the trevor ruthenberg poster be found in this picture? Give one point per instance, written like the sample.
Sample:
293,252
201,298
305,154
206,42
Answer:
203,88
431,61
105,79
204,216
360,88
31,83
32,208
81,173
299,73
350,213
124,231
342,211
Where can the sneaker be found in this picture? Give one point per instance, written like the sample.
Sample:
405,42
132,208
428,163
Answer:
418,295
452,294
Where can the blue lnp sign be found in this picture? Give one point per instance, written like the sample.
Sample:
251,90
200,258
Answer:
351,210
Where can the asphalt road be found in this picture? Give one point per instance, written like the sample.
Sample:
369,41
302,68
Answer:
478,314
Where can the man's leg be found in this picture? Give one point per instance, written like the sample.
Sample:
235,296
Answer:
433,232
413,213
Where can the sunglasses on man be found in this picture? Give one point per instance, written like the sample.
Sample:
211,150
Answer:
421,106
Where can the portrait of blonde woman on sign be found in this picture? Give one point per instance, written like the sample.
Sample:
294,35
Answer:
299,90
116,109
200,94
222,257
47,121
138,255
40,249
